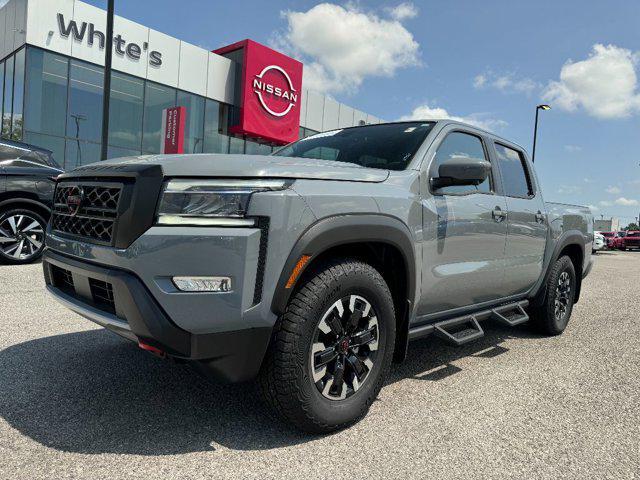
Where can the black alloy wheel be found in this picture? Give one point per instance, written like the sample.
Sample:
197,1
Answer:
344,347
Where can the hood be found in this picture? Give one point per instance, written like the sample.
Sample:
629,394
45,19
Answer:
229,165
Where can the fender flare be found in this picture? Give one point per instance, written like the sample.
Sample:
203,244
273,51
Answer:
14,200
340,230
570,237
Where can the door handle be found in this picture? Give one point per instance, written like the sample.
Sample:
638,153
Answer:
498,215
539,217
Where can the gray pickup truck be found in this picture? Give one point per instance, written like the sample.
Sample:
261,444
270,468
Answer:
312,268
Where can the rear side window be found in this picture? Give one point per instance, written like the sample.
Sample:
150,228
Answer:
8,152
455,145
515,175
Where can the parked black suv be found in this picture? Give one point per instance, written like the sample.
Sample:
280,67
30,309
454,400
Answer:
27,181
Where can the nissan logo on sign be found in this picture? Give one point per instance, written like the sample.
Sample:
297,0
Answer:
270,87
261,86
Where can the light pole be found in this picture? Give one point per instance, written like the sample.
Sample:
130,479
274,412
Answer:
106,91
535,130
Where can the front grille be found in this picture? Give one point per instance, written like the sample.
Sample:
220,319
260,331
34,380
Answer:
92,215
102,293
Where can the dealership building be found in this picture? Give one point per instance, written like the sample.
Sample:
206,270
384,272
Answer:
243,98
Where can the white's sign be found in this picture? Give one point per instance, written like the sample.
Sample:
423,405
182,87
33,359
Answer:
88,30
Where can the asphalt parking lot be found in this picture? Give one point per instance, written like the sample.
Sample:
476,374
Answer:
78,402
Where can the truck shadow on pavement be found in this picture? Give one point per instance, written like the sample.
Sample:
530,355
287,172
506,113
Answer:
91,392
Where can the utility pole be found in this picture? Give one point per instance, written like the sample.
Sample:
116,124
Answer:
106,91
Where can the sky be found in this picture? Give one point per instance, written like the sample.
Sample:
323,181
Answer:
489,63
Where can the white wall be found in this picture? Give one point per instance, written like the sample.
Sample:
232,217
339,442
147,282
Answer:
12,26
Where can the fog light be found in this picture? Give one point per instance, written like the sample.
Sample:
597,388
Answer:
203,284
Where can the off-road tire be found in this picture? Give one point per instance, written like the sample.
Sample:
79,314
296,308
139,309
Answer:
285,378
544,316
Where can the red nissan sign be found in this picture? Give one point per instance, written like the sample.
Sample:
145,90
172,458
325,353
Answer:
270,92
173,122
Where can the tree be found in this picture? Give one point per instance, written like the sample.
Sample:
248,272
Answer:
632,226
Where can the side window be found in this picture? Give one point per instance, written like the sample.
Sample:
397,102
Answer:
459,144
7,152
515,175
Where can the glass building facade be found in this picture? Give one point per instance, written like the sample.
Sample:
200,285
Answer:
55,102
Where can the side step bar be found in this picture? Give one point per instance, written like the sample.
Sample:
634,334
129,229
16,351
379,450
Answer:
510,315
466,328
461,330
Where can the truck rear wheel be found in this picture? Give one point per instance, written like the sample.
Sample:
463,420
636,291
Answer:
332,348
553,315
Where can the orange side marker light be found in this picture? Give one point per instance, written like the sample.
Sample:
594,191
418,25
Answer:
304,259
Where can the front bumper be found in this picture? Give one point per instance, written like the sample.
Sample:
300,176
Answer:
128,309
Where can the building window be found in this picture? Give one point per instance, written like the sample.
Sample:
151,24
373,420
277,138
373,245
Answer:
46,92
84,120
8,97
125,111
214,140
236,145
115,152
54,144
194,126
79,152
156,99
18,96
254,148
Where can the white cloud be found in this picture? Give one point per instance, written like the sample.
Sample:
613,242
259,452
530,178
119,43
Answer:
569,189
479,81
341,46
604,85
573,149
593,208
426,112
402,11
613,189
506,83
626,202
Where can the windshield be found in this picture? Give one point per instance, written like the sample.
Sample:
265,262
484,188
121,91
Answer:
389,146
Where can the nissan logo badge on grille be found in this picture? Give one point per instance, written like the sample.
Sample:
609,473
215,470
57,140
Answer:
74,200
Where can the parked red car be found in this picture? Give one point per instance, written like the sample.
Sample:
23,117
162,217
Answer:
631,240
609,238
617,242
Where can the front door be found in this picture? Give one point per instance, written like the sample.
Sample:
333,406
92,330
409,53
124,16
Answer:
464,230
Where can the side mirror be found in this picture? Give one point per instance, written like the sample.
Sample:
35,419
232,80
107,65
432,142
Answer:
461,171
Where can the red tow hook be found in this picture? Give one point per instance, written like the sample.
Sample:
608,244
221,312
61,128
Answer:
151,349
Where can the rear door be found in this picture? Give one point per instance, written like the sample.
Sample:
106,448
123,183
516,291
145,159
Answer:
464,230
526,219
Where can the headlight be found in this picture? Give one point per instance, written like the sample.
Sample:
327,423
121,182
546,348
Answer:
210,202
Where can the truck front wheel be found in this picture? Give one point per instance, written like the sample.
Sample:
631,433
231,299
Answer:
553,315
332,348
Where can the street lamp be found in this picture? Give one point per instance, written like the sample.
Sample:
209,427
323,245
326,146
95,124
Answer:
535,130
